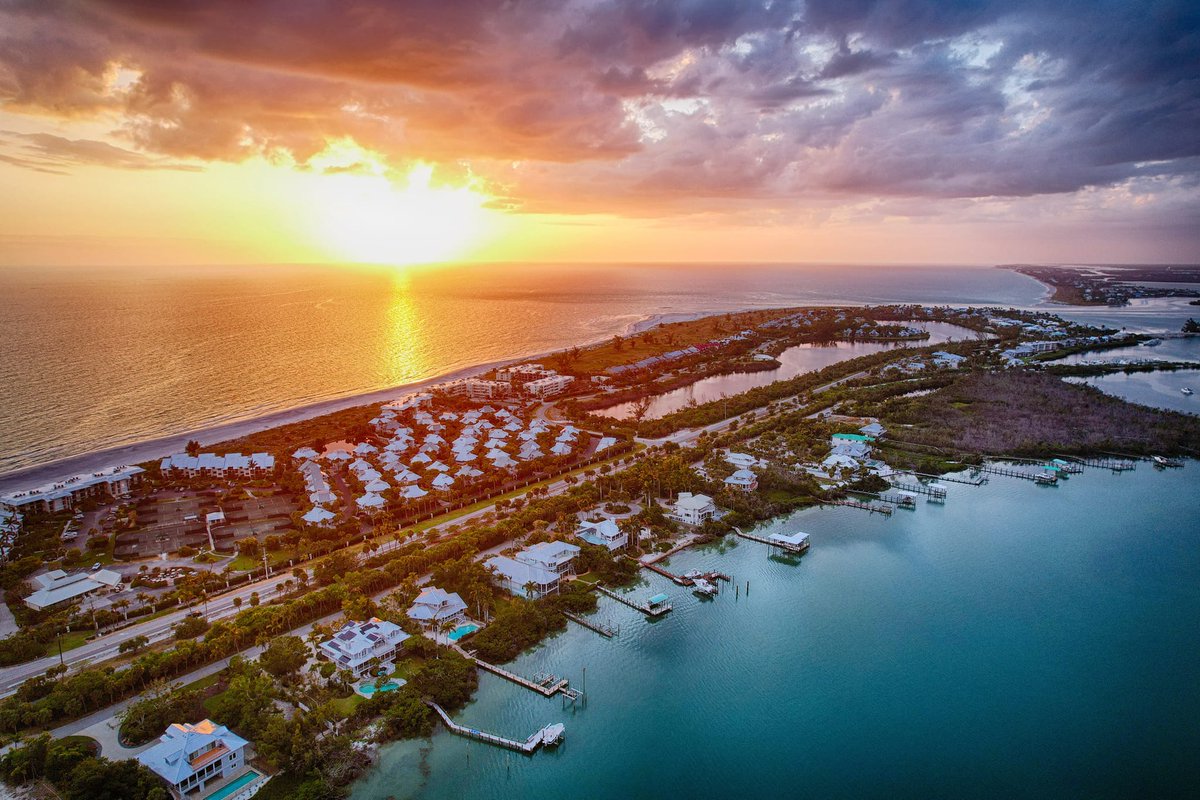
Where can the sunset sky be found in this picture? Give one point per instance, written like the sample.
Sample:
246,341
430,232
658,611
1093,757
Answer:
228,131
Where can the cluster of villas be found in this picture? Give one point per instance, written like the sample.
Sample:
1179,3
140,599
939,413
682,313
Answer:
229,467
423,449
66,494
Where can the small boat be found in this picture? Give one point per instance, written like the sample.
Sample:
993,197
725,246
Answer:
1187,390
1159,461
692,574
704,588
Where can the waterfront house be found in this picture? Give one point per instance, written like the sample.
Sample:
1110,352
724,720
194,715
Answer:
522,579
192,758
553,556
604,533
435,607
359,646
743,480
693,509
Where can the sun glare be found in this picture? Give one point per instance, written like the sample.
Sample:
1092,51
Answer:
370,218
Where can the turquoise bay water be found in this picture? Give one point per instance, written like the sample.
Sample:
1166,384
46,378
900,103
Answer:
1019,641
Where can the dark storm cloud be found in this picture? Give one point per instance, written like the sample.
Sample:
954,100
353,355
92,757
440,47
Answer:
629,105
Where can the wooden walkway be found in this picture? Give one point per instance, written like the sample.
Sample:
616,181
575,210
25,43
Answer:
645,609
874,508
1036,477
772,543
598,627
671,576
546,736
547,688
936,492
974,480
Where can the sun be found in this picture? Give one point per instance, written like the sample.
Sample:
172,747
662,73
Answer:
371,218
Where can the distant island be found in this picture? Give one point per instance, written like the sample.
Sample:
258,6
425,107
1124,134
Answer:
1109,285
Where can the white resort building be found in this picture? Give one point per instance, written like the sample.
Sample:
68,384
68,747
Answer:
358,646
65,494
57,586
231,466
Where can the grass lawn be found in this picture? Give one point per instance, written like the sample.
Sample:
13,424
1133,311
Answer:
588,579
70,640
247,563
204,683
344,706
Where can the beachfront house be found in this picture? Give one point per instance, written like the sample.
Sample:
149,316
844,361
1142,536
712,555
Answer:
436,607
195,758
693,509
522,579
359,646
743,481
604,533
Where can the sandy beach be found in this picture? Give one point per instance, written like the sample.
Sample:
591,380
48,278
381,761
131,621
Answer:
152,449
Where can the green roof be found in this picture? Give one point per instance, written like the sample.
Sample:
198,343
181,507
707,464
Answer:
854,437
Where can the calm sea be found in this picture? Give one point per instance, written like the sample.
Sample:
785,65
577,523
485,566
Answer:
101,357
1018,642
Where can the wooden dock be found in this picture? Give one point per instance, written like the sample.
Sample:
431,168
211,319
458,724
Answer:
549,735
645,609
935,492
547,687
598,627
1036,477
795,549
974,480
671,576
874,508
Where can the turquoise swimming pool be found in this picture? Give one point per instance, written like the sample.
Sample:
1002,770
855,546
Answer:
369,688
230,789
463,630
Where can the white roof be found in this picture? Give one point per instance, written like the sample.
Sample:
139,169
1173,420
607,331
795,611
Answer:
693,501
318,515
370,500
412,491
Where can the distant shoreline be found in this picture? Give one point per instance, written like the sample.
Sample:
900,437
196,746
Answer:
151,449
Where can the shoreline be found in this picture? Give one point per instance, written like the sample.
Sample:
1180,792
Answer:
159,447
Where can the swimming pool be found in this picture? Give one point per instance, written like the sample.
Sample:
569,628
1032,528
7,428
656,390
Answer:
463,630
230,789
369,688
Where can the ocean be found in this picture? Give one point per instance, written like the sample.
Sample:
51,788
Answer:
1018,642
100,358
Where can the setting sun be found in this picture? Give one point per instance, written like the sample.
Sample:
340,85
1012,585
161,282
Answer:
374,219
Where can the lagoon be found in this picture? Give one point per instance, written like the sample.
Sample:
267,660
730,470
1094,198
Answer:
794,361
1019,641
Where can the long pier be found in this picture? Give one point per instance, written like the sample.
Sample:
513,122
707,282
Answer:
1036,477
598,627
936,492
977,480
671,576
791,548
546,688
874,508
645,609
548,735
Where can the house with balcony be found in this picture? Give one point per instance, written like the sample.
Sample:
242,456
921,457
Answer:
693,509
604,533
197,758
436,607
359,646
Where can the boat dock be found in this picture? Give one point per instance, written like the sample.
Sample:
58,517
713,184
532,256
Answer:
874,508
974,480
796,543
679,580
548,736
649,609
1037,477
934,492
545,685
598,627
